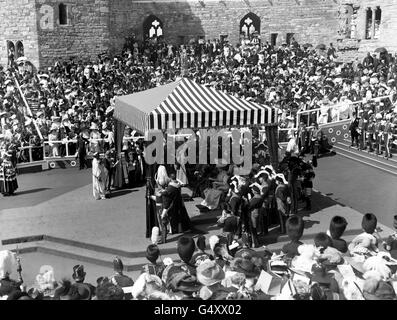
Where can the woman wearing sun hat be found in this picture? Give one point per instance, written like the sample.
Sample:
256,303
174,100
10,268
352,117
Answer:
98,177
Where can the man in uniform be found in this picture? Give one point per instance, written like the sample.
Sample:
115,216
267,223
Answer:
378,128
303,141
283,199
362,123
354,134
315,139
371,133
81,150
387,135
255,209
120,279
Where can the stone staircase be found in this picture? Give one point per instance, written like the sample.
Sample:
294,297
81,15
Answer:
33,104
345,149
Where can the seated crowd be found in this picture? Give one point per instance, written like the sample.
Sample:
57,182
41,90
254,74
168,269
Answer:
77,97
326,268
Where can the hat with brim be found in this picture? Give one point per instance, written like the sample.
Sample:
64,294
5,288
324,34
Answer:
78,272
245,266
94,126
384,291
210,273
184,282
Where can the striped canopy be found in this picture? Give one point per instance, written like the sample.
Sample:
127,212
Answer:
189,105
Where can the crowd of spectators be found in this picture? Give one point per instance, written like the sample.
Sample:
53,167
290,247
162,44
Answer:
76,96
326,269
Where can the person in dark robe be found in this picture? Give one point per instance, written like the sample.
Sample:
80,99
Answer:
8,176
82,151
283,199
151,208
120,279
175,208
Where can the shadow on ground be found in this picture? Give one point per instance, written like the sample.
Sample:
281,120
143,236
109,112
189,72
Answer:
207,220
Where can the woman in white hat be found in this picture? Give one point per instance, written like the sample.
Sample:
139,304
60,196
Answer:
98,177
95,135
54,136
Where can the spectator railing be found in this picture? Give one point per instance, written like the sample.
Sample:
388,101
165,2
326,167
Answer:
70,149
317,111
30,154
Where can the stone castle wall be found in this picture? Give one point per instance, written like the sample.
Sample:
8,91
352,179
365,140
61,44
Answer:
95,26
18,23
85,36
311,21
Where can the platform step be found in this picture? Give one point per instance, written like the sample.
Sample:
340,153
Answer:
80,254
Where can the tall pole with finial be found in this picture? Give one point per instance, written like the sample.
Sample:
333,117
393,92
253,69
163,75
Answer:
19,266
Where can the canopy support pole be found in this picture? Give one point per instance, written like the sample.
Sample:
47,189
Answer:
272,143
119,128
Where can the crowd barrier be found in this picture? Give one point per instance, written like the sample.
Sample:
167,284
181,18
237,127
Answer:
334,113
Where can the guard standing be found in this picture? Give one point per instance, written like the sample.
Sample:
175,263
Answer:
387,135
378,134
371,133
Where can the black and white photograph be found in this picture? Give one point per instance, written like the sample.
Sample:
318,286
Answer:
216,151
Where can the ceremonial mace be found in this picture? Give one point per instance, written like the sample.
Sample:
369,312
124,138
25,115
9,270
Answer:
19,266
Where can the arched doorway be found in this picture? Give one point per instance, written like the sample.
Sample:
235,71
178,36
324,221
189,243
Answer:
250,24
152,27
20,50
11,53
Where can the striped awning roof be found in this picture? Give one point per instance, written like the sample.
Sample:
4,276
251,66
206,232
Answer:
187,104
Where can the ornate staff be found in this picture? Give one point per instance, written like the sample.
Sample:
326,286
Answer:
19,267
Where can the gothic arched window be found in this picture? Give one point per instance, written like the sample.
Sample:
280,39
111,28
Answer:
368,24
19,50
152,27
63,14
249,24
11,52
378,18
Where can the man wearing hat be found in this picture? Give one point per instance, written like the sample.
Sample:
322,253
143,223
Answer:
387,135
256,210
95,135
378,129
186,248
391,243
120,279
371,132
153,268
81,146
85,290
8,176
283,199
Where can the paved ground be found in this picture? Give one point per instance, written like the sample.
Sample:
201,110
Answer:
59,203
364,188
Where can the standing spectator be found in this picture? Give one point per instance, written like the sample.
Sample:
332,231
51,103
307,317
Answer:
109,165
81,145
354,130
283,199
98,177
83,291
120,279
95,136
